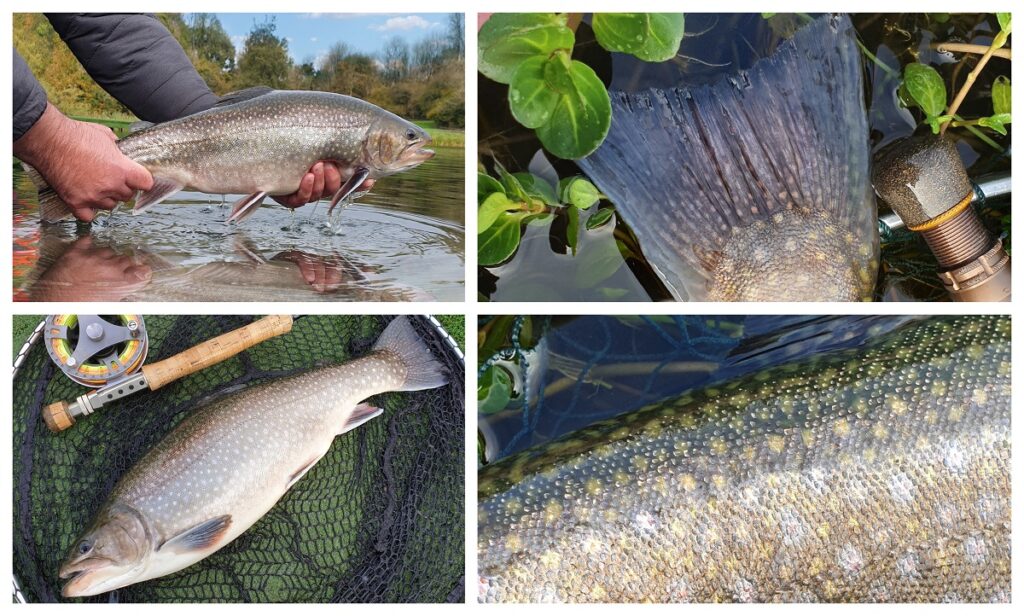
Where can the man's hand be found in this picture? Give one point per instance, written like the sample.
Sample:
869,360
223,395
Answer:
322,181
81,162
91,273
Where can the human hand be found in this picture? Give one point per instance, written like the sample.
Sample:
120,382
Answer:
322,181
81,162
324,274
85,272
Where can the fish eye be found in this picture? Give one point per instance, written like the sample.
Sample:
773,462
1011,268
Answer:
85,546
410,135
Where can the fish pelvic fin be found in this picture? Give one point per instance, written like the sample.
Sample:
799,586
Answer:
246,206
784,144
51,207
200,537
162,189
422,369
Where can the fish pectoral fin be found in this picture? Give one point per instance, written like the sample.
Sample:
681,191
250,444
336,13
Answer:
200,537
162,188
349,187
246,206
361,414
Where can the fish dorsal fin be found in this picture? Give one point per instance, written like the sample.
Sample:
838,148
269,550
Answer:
162,189
135,127
238,96
200,537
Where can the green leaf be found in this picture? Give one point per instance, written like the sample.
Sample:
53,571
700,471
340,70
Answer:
767,15
493,207
572,229
652,37
581,193
512,185
538,188
1001,95
926,88
530,98
485,185
583,114
600,260
936,122
500,240
997,122
1004,21
494,390
599,218
506,40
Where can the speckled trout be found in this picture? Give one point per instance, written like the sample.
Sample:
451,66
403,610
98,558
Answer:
260,142
224,466
756,187
875,474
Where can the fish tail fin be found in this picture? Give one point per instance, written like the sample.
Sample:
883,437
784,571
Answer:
788,138
51,207
422,369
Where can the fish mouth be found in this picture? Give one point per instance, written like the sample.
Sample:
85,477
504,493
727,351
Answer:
82,576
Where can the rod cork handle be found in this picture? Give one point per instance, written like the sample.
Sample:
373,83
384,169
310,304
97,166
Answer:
215,350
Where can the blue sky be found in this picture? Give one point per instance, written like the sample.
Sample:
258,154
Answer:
311,34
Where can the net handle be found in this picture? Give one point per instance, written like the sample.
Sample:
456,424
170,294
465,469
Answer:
215,350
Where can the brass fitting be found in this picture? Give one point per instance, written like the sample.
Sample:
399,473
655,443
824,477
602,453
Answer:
925,183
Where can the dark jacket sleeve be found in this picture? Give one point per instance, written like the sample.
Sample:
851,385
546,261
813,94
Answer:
136,59
29,97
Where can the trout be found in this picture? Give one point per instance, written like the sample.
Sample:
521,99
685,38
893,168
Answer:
754,188
875,474
260,142
225,465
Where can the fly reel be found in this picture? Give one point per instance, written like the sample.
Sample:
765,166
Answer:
95,349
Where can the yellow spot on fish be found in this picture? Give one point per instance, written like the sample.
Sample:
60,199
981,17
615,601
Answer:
640,463
552,511
593,487
876,369
653,428
661,486
870,454
597,593
931,416
980,396
777,443
749,453
620,434
688,482
681,446
621,478
824,530
807,435
841,428
513,543
718,445
938,389
513,506
611,516
956,412
880,430
718,481
551,560
896,404
975,351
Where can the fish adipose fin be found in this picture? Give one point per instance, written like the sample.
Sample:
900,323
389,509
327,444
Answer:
200,537
51,207
162,189
755,188
246,206
422,370
349,187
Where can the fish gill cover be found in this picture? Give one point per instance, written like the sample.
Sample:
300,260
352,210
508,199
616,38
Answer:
379,519
734,189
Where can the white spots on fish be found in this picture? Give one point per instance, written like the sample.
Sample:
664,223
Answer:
857,490
794,528
902,488
948,513
908,566
955,457
850,560
743,590
975,549
645,522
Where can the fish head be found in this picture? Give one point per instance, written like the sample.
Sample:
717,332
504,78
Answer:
112,553
394,145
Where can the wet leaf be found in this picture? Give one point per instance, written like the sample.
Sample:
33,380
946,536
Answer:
530,98
500,240
572,230
581,193
485,185
599,218
996,122
1001,95
494,390
492,208
652,37
600,261
925,87
513,187
538,188
506,40
583,113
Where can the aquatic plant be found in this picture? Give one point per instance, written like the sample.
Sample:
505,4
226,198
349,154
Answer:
559,97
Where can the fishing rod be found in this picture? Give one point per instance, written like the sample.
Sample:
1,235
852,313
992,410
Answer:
95,351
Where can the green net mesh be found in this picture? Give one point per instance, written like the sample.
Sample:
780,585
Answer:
379,519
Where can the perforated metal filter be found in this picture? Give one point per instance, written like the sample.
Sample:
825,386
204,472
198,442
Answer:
380,518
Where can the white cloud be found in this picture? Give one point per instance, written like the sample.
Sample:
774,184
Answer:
409,22
313,39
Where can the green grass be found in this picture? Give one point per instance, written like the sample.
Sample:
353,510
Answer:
447,137
22,326
454,324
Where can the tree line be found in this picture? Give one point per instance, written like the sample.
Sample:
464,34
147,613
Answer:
422,81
